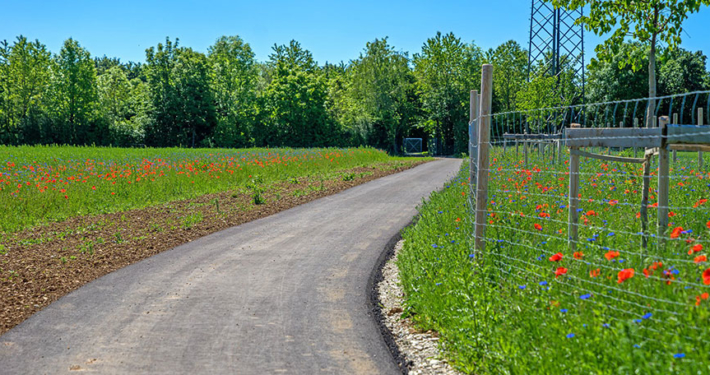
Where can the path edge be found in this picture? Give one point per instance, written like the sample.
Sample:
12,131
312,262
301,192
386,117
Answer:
376,311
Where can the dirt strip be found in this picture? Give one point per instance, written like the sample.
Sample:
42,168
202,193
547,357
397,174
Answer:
42,264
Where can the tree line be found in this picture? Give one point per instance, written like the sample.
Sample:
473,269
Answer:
226,98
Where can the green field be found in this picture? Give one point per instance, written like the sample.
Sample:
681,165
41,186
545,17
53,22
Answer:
43,184
611,306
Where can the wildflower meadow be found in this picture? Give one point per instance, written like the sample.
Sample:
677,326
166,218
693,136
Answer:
531,303
39,184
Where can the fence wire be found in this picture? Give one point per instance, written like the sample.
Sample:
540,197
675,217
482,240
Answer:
615,260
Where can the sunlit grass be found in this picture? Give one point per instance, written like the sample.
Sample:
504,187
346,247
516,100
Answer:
518,308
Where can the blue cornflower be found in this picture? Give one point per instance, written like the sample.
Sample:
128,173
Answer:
675,272
471,256
610,234
522,287
636,346
586,296
563,310
434,245
647,315
543,283
570,335
437,284
606,325
679,355
638,320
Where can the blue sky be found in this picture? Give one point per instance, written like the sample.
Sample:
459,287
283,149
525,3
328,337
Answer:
331,30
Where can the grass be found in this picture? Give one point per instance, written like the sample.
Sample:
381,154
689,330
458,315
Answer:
41,184
515,309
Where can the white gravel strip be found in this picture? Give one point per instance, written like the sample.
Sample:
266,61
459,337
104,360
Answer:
420,349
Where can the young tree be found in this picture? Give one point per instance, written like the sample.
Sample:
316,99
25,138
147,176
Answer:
74,95
648,22
195,105
24,80
510,73
294,101
446,71
380,83
234,78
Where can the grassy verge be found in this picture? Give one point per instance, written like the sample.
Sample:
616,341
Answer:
530,304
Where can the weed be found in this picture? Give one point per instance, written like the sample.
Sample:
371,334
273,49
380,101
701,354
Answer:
190,220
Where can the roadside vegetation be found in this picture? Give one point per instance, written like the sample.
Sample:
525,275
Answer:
530,304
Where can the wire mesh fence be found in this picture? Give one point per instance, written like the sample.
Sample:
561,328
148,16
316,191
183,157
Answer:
595,219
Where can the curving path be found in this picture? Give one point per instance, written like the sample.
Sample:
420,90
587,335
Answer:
284,294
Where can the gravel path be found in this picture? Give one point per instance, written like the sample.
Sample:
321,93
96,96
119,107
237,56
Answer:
283,294
419,349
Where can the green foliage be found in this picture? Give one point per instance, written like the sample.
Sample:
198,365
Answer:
293,103
74,98
646,22
679,71
24,78
234,78
446,70
509,75
182,111
382,91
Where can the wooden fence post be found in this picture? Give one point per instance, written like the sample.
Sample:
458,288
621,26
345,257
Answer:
644,193
525,148
484,133
636,125
473,140
675,122
573,198
700,123
663,183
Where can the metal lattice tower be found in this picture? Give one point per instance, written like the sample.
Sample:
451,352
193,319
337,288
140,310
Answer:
556,44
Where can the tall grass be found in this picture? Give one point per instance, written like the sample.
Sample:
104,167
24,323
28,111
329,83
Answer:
519,308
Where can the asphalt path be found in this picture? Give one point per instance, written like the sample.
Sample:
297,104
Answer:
286,294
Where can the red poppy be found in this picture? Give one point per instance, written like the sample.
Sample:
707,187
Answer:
638,215
625,274
594,273
700,203
544,214
538,226
611,254
591,213
556,258
578,255
560,271
646,273
707,224
700,259
676,232
696,249
706,277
